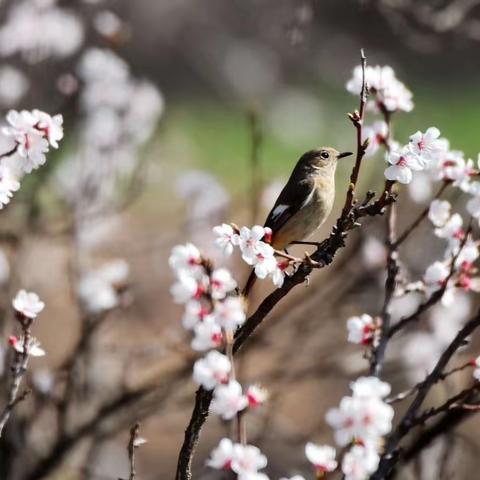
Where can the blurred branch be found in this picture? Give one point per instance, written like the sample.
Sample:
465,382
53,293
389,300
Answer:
255,174
19,368
411,417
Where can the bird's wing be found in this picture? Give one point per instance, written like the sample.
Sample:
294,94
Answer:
292,198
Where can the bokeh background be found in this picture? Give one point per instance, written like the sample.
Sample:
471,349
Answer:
243,88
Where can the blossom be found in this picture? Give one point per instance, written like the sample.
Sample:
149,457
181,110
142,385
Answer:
98,289
247,459
221,456
390,94
278,274
185,257
208,334
228,400
473,206
187,287
8,185
32,146
28,304
439,212
360,462
212,370
256,396
452,229
13,85
249,241
264,261
221,282
226,238
426,145
321,456
435,276
377,134
33,346
361,329
194,313
403,162
51,126
476,372
230,313
360,418
370,387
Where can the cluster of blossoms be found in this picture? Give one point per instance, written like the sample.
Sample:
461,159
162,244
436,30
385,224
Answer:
39,29
456,270
27,305
388,93
255,247
25,140
99,290
213,311
120,114
360,422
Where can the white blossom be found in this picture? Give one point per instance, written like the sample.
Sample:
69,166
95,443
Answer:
256,396
370,387
185,257
221,456
13,85
435,276
230,313
221,283
361,329
403,162
226,238
228,400
426,145
28,304
186,287
321,456
33,346
377,134
439,212
360,462
8,185
364,418
212,370
476,371
51,126
207,335
452,228
247,459
386,89
249,241
195,313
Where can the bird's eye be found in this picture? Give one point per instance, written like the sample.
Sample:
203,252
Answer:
324,154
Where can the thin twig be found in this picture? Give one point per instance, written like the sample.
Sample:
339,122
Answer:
407,393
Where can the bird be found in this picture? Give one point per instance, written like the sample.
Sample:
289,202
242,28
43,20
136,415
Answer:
305,201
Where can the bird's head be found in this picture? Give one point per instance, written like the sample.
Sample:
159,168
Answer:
323,158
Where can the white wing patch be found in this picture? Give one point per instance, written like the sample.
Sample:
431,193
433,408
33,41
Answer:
279,209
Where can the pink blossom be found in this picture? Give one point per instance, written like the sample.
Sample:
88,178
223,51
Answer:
226,238
221,282
361,329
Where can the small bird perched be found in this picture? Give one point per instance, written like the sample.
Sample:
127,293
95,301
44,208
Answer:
305,202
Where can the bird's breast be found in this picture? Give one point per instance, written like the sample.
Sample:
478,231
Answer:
313,213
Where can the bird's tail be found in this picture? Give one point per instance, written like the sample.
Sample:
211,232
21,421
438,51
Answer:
250,282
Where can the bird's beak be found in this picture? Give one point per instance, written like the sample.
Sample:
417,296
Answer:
344,154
